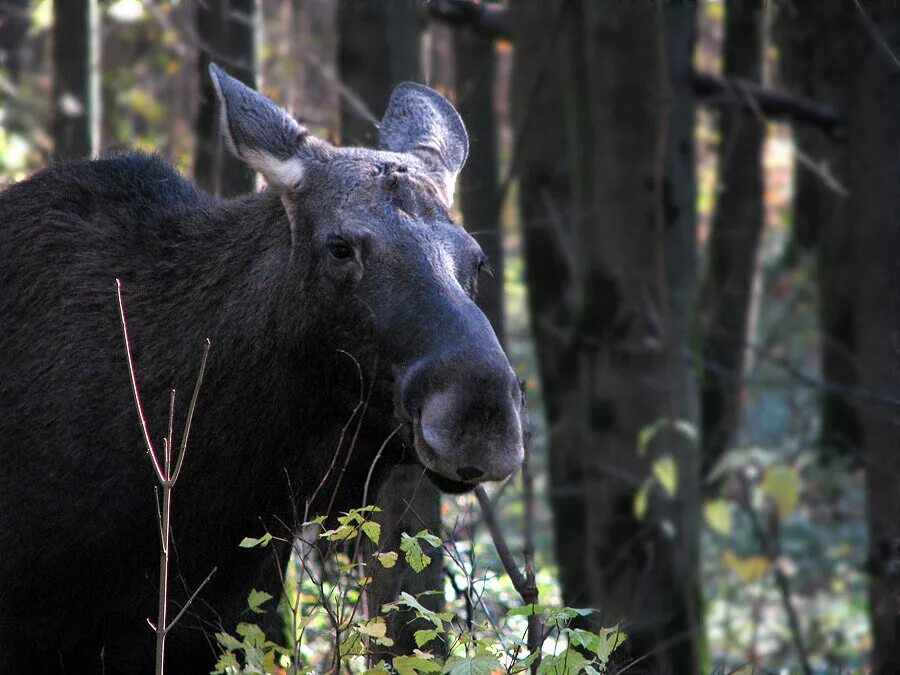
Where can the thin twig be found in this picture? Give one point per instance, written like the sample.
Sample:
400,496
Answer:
134,388
769,546
876,35
187,604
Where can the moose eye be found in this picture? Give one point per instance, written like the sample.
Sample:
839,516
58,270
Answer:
339,249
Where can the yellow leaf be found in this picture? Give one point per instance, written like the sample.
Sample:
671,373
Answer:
640,502
388,559
376,628
718,515
752,568
782,484
666,472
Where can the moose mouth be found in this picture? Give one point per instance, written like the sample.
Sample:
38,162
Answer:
429,459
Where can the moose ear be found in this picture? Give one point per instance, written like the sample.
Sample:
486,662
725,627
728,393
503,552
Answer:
420,121
259,132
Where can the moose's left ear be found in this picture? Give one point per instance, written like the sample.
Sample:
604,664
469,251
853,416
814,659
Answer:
422,122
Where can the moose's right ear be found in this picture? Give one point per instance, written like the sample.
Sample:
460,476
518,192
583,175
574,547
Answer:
259,132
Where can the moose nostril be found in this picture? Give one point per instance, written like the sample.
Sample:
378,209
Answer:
469,472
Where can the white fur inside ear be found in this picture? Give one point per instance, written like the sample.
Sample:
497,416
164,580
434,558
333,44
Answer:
449,186
279,173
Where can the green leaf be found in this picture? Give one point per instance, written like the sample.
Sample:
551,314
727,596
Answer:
410,665
782,484
250,542
646,436
608,640
415,557
268,662
372,530
252,634
427,536
583,638
524,664
640,501
666,472
342,533
229,642
256,600
388,559
226,664
526,610
352,645
434,617
687,429
718,515
315,521
423,637
476,665
569,662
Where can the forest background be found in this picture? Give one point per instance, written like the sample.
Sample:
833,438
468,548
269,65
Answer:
693,216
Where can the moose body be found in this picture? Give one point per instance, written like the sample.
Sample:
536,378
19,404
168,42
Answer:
345,280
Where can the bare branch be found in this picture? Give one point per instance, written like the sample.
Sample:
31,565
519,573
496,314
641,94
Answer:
191,408
719,92
190,599
509,564
134,388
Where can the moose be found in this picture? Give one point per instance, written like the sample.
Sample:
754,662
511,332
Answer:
345,278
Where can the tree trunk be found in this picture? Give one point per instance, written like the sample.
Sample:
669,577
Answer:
378,47
612,352
478,190
227,29
872,216
833,56
544,192
734,239
76,84
812,35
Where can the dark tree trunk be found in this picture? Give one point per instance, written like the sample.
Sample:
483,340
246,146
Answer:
227,29
544,191
812,35
872,216
378,47
831,54
611,350
736,227
478,190
76,45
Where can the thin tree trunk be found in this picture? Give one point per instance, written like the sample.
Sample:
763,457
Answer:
545,215
227,29
76,85
378,47
477,192
734,239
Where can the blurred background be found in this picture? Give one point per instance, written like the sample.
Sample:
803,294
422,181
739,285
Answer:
693,216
